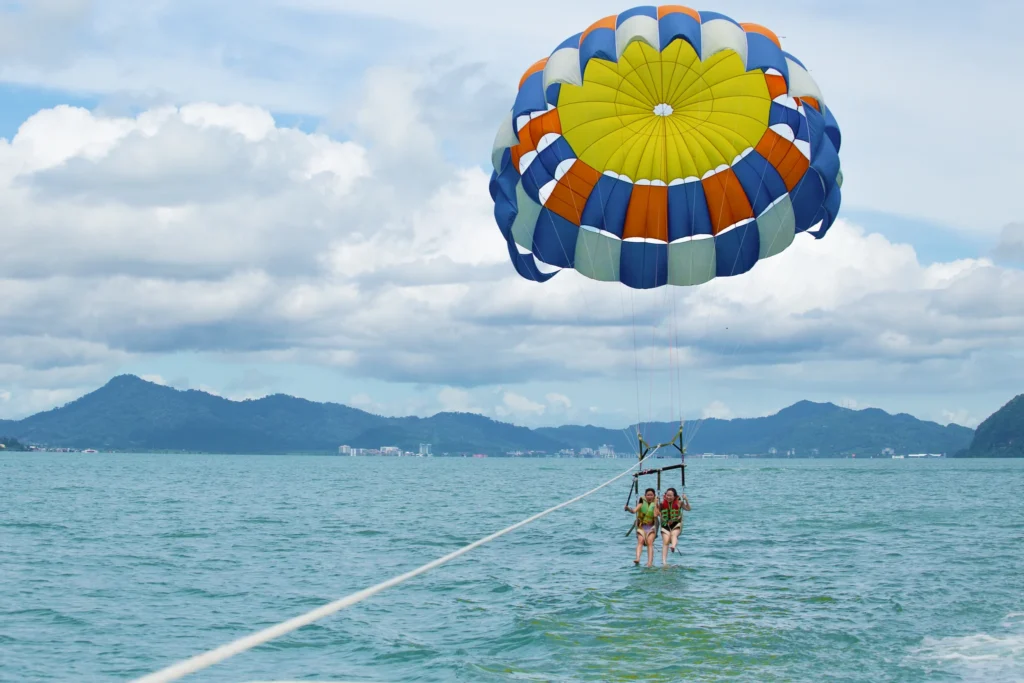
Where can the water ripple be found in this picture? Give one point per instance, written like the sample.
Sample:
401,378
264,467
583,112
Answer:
113,566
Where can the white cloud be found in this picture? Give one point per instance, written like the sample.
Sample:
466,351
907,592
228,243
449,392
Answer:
210,228
717,409
514,405
964,418
454,400
558,402
155,379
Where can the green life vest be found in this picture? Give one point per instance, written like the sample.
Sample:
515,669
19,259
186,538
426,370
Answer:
646,513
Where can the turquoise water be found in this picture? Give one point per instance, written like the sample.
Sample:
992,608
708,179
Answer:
112,566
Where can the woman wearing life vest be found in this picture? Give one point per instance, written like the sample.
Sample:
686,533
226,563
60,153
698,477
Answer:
647,513
672,508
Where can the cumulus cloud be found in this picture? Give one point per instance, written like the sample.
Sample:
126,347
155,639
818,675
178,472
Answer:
717,409
212,228
559,401
515,405
961,417
456,400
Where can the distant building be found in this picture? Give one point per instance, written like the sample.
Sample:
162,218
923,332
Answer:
606,451
390,450
345,450
424,449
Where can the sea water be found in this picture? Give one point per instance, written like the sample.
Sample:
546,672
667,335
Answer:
112,566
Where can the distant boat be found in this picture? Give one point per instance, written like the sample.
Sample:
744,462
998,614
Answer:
897,457
90,450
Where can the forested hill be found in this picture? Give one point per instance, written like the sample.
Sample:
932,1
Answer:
129,413
1001,435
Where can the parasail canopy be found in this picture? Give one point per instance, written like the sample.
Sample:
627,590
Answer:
664,146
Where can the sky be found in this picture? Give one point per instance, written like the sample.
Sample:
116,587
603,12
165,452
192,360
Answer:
290,196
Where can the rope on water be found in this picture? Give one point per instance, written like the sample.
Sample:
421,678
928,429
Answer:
207,659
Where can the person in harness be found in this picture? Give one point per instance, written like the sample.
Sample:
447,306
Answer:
671,509
647,514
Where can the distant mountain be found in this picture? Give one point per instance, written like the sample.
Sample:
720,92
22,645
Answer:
131,414
1001,435
807,428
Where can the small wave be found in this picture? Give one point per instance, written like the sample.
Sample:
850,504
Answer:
981,657
262,520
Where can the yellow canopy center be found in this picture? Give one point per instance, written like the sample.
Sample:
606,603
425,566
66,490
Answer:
664,115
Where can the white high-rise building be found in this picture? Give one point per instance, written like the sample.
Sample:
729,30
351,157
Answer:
424,449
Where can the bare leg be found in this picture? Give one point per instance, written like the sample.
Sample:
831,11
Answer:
650,549
666,538
675,537
639,546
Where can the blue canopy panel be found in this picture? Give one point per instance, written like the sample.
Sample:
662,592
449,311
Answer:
799,63
502,188
554,239
764,54
503,192
780,113
687,211
552,93
530,98
760,181
607,205
642,11
536,177
679,25
815,126
830,210
808,197
825,160
644,265
553,155
706,17
599,44
570,42
832,129
803,131
737,250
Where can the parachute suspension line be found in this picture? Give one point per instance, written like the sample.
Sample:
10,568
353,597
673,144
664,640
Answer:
707,318
651,417
580,290
636,363
208,659
679,362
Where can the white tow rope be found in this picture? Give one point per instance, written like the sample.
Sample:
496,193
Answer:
207,659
